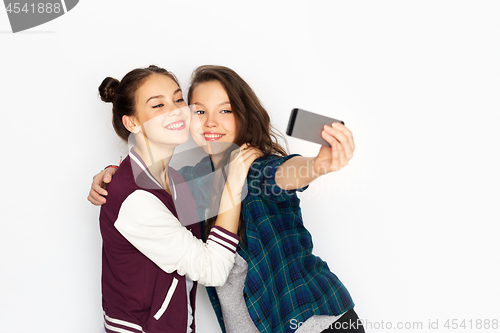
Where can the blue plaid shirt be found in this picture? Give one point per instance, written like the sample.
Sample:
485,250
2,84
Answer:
285,281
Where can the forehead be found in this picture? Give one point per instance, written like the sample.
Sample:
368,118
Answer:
154,85
211,92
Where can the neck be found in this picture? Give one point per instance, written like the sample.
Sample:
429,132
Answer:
157,160
217,151
216,158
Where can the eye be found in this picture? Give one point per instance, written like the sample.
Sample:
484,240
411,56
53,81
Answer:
179,100
226,111
199,112
157,106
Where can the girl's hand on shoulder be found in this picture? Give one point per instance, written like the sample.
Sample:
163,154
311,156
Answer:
249,155
338,155
97,190
241,160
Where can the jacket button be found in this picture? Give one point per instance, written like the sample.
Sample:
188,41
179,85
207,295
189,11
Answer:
245,295
258,320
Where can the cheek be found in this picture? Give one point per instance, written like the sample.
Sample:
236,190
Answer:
152,123
230,126
188,117
195,130
194,125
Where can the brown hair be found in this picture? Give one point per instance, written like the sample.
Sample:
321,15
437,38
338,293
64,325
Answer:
253,124
252,120
122,94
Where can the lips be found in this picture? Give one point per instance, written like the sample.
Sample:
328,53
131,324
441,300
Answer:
176,125
212,136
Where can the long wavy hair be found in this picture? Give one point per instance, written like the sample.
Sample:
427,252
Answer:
253,124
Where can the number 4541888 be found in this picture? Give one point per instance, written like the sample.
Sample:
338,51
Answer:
471,324
40,8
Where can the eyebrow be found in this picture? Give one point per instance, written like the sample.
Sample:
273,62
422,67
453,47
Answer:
162,96
223,103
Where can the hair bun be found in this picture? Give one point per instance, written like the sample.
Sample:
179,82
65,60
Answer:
108,88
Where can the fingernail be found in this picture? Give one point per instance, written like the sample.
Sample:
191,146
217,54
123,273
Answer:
336,124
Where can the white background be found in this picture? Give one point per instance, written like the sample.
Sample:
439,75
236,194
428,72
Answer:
411,226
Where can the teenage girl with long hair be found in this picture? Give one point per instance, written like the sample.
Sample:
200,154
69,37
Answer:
277,284
150,261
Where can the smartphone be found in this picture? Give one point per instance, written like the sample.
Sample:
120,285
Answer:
308,126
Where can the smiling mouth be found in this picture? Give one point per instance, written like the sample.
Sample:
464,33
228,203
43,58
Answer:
176,126
212,136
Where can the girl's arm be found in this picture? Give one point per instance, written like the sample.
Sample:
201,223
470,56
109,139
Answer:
148,225
98,193
299,171
151,228
230,205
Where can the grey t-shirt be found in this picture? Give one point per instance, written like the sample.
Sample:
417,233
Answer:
235,312
234,309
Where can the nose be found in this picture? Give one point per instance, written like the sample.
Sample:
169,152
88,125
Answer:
211,120
174,112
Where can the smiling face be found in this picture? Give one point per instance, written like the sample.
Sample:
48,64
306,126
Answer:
162,115
211,105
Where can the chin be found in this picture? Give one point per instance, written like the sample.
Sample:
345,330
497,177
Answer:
181,141
205,149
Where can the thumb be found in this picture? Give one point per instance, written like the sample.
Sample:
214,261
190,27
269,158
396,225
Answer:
323,151
106,178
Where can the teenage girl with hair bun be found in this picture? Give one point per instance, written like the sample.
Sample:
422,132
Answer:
276,284
150,261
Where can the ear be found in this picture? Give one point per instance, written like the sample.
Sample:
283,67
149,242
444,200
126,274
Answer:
131,124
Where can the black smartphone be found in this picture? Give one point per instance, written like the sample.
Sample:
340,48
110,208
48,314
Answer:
308,126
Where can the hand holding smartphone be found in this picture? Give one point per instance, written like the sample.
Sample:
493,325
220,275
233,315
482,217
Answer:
308,126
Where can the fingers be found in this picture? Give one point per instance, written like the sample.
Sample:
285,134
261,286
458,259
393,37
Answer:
98,183
244,146
95,198
349,136
108,174
248,151
337,155
252,152
341,133
346,132
343,136
97,189
250,158
250,155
